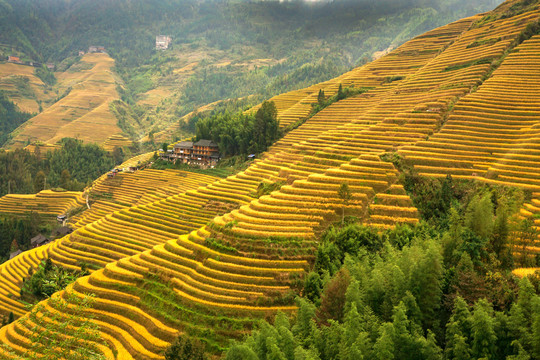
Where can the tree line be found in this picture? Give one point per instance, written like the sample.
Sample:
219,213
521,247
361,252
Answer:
241,134
71,167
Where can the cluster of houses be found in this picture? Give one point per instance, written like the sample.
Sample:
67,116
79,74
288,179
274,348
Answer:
17,60
40,239
163,42
203,153
93,49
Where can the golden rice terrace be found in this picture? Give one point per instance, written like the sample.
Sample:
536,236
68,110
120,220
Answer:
203,256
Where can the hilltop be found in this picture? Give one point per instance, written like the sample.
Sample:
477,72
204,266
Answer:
439,157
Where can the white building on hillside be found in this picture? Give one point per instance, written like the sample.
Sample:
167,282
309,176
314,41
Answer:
163,42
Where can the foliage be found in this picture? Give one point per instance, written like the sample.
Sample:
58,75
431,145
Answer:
437,290
184,348
45,75
265,188
343,93
15,234
47,280
241,134
10,117
30,172
344,193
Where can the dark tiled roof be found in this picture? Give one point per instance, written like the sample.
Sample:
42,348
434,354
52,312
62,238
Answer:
184,144
39,239
62,231
205,143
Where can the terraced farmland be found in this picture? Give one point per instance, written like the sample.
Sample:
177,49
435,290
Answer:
23,87
83,112
142,187
46,203
210,260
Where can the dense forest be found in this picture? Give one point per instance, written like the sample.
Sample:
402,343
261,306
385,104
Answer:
71,167
241,134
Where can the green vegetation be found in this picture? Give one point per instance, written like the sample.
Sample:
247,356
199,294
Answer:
45,75
241,134
27,172
10,117
183,348
470,63
343,93
224,168
47,280
15,234
266,188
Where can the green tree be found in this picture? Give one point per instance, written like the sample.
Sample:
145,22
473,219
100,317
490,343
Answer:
39,181
118,155
344,193
483,335
321,98
340,94
479,217
65,178
265,128
184,348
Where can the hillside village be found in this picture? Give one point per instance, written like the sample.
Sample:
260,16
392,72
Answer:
396,216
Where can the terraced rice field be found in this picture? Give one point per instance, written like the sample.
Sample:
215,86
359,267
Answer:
142,187
23,87
211,260
47,203
83,113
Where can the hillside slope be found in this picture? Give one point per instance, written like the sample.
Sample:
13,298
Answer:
437,101
83,112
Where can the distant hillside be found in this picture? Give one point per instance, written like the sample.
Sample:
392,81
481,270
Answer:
220,49
82,111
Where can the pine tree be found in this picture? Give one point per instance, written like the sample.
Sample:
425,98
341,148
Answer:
321,98
340,93
240,352
65,176
39,181
483,334
384,347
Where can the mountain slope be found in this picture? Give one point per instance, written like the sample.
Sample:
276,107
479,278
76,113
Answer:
221,49
248,263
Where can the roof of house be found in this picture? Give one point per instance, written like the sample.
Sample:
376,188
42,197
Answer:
62,231
39,239
184,144
205,143
13,254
